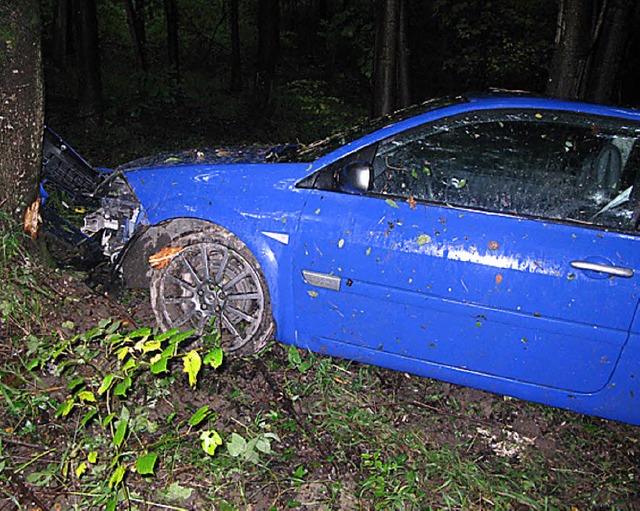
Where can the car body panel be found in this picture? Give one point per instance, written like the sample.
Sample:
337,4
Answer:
485,299
257,202
455,287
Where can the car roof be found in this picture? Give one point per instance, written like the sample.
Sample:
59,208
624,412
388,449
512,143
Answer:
522,99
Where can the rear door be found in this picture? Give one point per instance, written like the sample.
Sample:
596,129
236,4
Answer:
491,243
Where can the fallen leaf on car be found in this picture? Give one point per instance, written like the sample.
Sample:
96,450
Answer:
161,259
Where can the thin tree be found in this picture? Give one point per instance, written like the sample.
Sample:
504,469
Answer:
391,64
173,42
22,100
88,55
236,63
268,53
589,48
135,20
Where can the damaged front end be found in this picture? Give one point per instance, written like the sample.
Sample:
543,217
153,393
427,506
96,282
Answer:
88,214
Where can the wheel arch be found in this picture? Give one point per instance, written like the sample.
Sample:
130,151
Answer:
134,263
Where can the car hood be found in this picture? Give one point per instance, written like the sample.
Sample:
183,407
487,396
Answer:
219,156
203,190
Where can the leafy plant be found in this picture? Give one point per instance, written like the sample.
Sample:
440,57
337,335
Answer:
106,368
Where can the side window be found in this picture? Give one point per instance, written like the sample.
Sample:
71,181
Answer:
549,165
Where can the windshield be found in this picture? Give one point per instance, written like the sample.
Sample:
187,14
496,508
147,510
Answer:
315,150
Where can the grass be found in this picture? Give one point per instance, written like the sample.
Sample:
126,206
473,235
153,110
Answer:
299,430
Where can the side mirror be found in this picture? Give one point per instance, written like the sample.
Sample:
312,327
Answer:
355,177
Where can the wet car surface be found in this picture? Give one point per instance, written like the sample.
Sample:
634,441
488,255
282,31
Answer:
489,241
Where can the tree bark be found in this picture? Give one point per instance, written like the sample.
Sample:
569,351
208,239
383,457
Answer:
404,76
268,53
22,100
385,62
610,50
236,64
60,45
88,54
173,42
573,42
135,20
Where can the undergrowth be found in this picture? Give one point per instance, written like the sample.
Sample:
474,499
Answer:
114,418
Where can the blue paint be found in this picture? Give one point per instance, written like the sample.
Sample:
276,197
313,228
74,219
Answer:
481,299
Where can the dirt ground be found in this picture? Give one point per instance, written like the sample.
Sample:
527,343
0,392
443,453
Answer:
506,438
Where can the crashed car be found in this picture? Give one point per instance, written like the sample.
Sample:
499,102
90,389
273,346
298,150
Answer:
489,241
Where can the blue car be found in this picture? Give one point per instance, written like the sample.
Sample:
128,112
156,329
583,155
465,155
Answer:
489,241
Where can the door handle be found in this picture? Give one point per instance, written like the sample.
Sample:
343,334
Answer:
616,271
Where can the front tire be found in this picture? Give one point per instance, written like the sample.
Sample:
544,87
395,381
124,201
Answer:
215,281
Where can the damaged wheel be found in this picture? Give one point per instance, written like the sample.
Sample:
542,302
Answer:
216,282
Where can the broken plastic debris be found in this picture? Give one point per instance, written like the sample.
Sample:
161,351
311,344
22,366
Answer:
161,259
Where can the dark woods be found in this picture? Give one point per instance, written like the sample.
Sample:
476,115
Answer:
268,58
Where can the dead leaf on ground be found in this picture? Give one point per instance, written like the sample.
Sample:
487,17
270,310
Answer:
161,259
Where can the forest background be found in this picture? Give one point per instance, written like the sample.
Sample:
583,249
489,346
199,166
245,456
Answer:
145,75
120,79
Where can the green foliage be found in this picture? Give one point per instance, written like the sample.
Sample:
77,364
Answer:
105,369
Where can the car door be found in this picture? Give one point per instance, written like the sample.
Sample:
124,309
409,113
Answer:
495,243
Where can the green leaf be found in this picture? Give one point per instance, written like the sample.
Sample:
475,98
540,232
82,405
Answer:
88,416
392,203
165,335
121,431
87,395
263,445
129,364
214,358
106,383
92,457
152,345
117,476
122,387
65,407
141,332
294,356
210,441
236,445
81,469
199,416
160,365
192,364
75,382
178,493
146,464
108,419
423,239
181,336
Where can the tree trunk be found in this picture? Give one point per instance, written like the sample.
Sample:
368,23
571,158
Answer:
135,20
385,62
404,78
236,65
88,54
610,50
573,41
268,53
22,100
173,42
60,44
